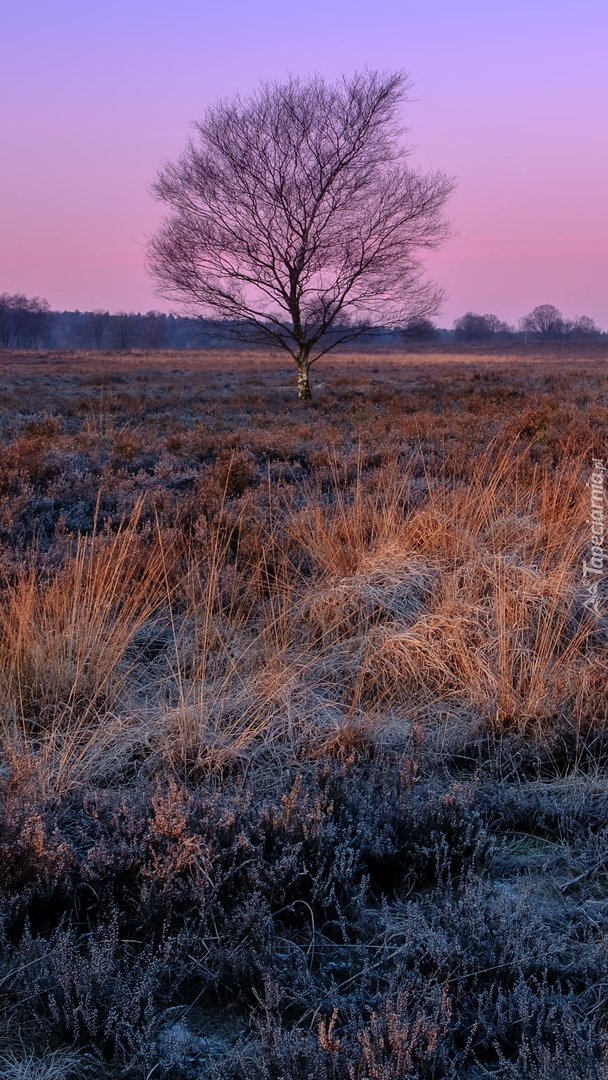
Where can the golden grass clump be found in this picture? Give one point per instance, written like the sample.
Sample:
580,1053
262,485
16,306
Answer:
387,587
64,641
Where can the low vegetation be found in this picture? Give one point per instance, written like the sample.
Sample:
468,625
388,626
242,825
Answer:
303,719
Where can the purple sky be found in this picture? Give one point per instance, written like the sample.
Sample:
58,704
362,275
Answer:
511,98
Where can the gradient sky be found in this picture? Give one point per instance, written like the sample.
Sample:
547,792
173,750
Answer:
510,97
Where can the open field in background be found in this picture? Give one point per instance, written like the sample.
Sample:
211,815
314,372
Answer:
302,718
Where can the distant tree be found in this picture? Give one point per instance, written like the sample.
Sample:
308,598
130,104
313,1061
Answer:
583,328
544,322
153,330
24,323
295,212
124,330
497,327
35,322
5,321
471,327
95,327
420,330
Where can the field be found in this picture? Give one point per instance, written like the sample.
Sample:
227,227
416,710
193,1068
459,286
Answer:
303,743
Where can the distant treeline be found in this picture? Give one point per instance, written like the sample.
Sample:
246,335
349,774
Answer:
29,323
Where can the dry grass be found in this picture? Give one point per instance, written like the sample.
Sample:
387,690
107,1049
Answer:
60,1065
64,641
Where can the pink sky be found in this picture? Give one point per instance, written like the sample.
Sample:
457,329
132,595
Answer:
510,98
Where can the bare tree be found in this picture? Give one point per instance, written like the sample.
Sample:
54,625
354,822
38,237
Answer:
583,328
153,330
24,322
295,213
6,327
545,322
95,326
471,327
419,330
124,330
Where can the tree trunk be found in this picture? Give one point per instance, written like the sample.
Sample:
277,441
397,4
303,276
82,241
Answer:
304,393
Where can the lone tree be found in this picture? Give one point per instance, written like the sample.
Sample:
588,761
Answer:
295,214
